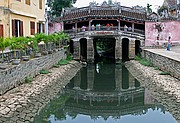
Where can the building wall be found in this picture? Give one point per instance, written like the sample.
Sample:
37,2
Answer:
163,62
15,75
55,27
169,28
26,24
21,11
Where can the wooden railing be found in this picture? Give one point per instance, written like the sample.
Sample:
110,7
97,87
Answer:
104,28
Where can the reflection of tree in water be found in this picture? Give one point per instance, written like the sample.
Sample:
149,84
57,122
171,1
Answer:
55,107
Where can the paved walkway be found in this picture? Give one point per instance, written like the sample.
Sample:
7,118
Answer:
174,53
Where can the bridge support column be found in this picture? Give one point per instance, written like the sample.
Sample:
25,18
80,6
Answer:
77,80
76,54
118,77
90,77
131,82
131,49
118,50
90,50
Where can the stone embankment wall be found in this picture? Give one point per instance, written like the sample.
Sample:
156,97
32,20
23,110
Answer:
164,63
15,75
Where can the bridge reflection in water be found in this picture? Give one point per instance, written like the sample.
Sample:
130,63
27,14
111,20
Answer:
107,92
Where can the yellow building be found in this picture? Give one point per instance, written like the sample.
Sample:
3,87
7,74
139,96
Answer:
21,17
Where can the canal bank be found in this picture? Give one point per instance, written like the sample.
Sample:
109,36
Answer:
165,88
23,103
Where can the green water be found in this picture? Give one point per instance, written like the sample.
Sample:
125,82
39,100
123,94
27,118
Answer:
104,93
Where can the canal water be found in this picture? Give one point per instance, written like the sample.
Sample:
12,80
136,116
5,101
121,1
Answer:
104,93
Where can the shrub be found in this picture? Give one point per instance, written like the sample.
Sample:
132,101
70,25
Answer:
156,68
56,66
137,58
69,57
146,63
44,71
28,79
63,62
164,73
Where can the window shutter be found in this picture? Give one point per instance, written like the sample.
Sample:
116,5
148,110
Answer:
43,28
13,28
32,26
21,28
1,30
38,28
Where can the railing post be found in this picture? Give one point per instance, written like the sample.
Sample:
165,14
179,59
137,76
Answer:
76,27
90,50
118,51
119,24
133,27
90,25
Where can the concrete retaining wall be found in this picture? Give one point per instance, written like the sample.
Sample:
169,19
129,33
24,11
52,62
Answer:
15,75
164,63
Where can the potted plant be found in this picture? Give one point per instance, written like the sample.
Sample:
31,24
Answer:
15,45
50,42
24,46
38,39
4,43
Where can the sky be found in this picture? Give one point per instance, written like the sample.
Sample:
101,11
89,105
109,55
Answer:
128,3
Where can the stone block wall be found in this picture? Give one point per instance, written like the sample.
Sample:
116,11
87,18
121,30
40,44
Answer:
164,63
15,75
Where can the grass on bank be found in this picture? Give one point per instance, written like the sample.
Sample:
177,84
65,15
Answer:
164,73
149,64
28,79
63,61
43,71
143,61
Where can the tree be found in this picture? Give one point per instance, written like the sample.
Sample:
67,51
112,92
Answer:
56,6
110,2
149,8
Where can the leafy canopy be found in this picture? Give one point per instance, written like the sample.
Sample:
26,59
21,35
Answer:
56,6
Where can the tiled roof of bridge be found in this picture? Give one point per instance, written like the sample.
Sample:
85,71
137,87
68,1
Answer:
102,13
171,3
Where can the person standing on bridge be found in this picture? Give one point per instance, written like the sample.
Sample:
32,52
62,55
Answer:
169,43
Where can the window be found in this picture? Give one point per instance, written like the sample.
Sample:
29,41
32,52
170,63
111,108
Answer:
40,28
18,0
32,27
40,4
28,2
17,28
1,30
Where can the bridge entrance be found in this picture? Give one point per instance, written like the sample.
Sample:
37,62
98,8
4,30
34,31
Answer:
137,47
83,49
104,49
125,49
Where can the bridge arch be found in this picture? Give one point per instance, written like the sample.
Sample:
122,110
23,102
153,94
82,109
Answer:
71,45
125,49
83,49
137,47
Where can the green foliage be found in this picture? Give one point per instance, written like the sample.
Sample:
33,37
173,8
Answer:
28,79
149,8
44,71
143,61
4,43
164,73
56,7
56,65
156,68
137,58
146,63
161,9
55,107
63,62
69,57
